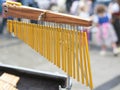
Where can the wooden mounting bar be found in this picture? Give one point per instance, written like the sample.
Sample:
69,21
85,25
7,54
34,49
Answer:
34,13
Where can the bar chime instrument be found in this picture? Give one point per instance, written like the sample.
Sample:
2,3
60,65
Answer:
60,38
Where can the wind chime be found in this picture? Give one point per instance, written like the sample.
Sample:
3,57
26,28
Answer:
60,38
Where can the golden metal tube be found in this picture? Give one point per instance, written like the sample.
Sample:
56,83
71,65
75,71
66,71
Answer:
45,36
11,26
73,52
69,54
22,31
63,49
36,29
41,40
88,58
18,29
58,47
77,61
26,32
30,29
52,44
48,53
55,46
29,36
47,43
37,38
14,27
79,47
32,35
81,58
75,58
85,63
48,39
8,25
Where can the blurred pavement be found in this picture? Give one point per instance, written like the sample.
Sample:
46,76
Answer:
106,70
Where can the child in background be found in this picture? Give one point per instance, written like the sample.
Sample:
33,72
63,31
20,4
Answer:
105,34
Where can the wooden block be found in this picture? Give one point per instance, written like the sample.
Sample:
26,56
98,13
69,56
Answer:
11,79
6,86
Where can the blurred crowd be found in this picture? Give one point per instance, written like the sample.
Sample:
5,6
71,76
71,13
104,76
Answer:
104,14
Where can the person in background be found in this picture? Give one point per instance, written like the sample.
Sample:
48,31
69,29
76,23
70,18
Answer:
43,4
92,6
68,5
83,12
4,19
3,23
115,8
105,34
74,7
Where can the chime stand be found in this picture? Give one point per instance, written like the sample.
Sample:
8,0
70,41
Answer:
69,84
60,18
